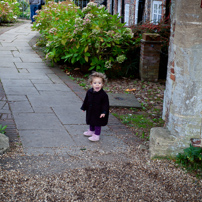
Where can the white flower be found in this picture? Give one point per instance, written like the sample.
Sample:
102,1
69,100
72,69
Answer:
38,24
92,4
121,58
108,64
89,16
47,55
101,6
79,20
117,36
128,32
95,31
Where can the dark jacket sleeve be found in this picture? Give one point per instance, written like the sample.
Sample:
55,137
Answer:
85,102
105,105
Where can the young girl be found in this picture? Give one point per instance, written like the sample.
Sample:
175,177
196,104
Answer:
96,105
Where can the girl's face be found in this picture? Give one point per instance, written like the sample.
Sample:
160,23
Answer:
97,84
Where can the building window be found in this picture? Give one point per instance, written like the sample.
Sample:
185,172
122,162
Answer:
156,12
119,8
127,12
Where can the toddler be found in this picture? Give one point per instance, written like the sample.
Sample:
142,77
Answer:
96,105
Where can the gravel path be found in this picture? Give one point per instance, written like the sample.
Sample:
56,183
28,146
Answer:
128,176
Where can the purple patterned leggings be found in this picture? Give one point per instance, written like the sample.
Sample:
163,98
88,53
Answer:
97,129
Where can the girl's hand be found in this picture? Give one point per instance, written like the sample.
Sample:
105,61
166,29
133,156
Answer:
102,115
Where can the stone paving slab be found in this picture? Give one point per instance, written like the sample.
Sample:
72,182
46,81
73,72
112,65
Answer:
25,71
8,48
54,78
28,65
26,50
8,70
15,44
37,121
30,59
36,81
16,98
21,106
46,138
28,55
52,87
2,104
54,100
7,63
44,71
6,53
108,143
17,83
7,59
43,109
123,100
13,90
70,114
19,76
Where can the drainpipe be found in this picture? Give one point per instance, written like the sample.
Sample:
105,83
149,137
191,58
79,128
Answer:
112,7
122,10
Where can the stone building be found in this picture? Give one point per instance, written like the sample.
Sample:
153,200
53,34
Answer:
182,109
137,11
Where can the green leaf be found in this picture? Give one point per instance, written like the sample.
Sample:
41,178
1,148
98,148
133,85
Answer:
91,68
86,58
87,54
86,49
63,41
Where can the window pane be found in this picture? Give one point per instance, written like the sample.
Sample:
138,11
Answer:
159,9
155,18
127,11
155,8
159,18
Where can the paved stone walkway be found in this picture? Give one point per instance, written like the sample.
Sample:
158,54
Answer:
45,104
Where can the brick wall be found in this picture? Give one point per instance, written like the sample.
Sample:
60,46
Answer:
150,57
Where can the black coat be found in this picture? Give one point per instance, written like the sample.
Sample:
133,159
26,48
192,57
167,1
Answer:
95,104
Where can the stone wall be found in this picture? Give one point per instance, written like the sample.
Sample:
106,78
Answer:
182,109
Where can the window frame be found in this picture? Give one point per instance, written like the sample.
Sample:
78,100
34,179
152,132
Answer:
127,14
158,14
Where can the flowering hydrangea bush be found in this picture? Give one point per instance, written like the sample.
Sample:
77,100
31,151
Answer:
91,35
9,11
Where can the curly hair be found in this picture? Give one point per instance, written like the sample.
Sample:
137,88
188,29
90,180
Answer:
99,75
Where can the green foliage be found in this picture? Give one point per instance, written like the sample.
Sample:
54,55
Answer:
162,28
90,36
140,122
23,5
137,120
9,11
2,129
24,9
191,159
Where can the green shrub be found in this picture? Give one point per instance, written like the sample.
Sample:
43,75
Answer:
191,160
24,9
90,36
2,129
9,11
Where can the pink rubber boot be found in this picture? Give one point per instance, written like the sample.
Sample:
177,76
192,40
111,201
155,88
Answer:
94,138
88,133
